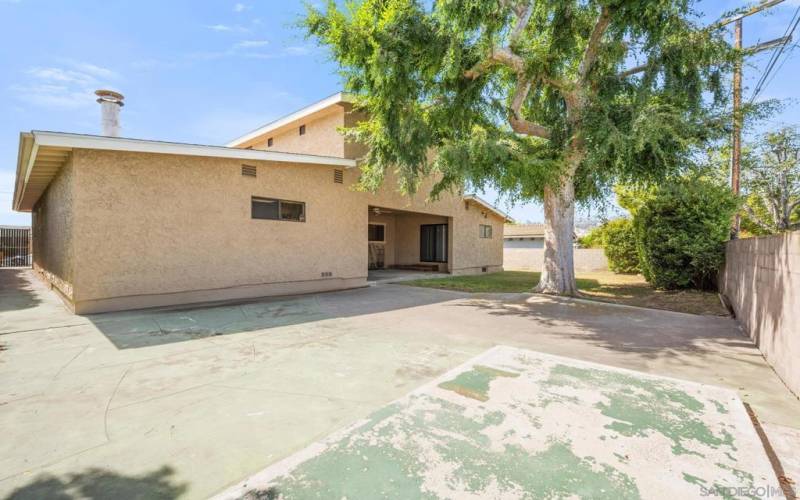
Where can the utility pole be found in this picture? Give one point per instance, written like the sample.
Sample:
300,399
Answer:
738,117
736,153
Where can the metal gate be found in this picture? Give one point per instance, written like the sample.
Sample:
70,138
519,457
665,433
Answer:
15,246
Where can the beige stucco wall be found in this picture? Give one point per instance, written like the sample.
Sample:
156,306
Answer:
761,280
164,224
321,137
53,232
163,229
157,229
531,259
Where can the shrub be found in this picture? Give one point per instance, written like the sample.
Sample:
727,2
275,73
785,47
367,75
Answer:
681,233
592,239
619,245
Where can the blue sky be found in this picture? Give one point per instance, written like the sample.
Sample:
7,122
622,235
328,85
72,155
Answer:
205,72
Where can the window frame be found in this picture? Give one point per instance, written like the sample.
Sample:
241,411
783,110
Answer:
303,129
485,231
270,142
280,202
384,232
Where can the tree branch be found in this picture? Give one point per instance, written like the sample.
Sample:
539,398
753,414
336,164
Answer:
593,46
632,71
498,55
519,124
523,16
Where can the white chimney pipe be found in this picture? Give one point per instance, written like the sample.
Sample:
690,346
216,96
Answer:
110,102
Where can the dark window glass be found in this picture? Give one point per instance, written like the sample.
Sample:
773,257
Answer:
268,208
485,231
302,130
293,210
269,142
263,208
376,232
433,243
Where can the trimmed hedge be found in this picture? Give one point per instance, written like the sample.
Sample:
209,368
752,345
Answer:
619,245
681,233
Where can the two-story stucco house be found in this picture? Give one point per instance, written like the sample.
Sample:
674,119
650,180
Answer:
121,223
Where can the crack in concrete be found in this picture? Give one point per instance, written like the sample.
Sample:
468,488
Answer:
108,404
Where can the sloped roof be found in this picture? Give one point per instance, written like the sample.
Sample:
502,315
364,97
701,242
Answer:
523,230
311,111
480,201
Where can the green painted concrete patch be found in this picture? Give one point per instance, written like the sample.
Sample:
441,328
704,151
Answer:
519,424
475,383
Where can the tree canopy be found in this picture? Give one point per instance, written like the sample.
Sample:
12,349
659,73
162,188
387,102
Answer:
540,99
489,83
771,180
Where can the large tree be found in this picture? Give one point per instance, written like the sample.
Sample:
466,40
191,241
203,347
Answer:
541,99
771,180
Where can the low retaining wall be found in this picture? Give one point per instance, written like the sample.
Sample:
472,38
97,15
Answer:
530,259
761,281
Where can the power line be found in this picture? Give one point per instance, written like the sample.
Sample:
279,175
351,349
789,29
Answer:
762,82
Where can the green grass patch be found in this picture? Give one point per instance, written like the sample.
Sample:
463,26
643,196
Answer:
629,289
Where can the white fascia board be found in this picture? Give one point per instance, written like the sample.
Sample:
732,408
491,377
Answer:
64,140
297,115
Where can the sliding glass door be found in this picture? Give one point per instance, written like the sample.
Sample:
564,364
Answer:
433,243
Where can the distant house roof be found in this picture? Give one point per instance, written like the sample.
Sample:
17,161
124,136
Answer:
523,231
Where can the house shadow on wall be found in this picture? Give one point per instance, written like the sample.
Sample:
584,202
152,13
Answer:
151,327
95,484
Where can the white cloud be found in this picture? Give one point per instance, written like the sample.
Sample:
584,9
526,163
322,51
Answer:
251,44
240,7
298,50
223,28
66,87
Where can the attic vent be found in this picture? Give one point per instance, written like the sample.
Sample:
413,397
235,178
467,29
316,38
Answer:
249,170
338,176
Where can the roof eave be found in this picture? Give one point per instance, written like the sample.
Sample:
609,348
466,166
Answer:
33,143
24,154
489,206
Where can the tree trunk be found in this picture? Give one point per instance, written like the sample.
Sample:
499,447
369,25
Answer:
558,269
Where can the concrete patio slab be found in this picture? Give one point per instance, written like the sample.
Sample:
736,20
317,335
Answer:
514,423
113,402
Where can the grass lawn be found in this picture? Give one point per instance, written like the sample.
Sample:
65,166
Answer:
627,289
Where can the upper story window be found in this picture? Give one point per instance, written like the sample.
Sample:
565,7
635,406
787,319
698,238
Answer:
274,209
269,142
485,231
302,130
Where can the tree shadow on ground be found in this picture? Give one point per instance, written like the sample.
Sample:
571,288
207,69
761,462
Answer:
649,333
95,484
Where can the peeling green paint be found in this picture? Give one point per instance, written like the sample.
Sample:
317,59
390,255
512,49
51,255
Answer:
697,481
639,406
380,460
475,383
488,436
